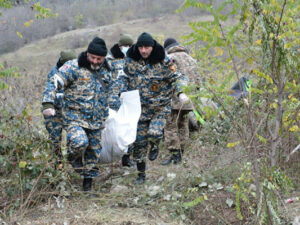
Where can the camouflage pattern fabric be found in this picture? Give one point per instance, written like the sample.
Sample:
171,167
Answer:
54,124
188,66
117,66
86,94
147,131
85,108
177,129
156,84
58,101
84,149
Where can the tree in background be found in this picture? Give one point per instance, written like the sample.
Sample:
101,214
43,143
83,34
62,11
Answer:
41,13
258,39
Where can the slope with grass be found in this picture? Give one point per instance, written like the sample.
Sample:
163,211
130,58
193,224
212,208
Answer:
198,191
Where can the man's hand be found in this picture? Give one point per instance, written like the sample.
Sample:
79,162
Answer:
49,112
183,98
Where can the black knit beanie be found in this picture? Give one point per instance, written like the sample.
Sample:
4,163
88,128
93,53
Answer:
97,47
170,42
145,39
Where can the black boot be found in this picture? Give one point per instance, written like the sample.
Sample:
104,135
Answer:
141,167
168,161
175,157
126,161
76,162
87,184
153,153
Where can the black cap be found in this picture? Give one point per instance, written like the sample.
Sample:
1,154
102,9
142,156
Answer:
145,39
170,42
97,47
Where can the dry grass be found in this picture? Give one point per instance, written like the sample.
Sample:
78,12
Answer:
115,199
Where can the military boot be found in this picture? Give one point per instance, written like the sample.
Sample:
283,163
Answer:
141,167
175,157
87,184
168,161
126,161
76,162
153,153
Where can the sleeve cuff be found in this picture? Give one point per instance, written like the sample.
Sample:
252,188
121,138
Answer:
47,105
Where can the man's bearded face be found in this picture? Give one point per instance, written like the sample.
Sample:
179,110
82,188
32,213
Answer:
95,60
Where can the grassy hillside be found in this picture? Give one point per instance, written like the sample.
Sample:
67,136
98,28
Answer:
198,191
45,52
35,60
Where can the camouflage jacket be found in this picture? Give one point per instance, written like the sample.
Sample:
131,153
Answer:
86,92
116,60
187,65
58,101
155,79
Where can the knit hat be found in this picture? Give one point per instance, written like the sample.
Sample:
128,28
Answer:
97,47
66,56
145,39
125,39
170,42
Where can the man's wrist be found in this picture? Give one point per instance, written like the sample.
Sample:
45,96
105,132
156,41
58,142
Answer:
48,105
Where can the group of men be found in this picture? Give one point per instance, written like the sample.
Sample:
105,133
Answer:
79,91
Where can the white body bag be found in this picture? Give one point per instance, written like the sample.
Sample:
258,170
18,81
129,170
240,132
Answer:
120,128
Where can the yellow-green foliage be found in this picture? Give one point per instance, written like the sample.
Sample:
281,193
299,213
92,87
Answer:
258,39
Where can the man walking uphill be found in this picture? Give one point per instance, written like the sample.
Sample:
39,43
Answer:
54,124
149,71
177,127
117,59
86,82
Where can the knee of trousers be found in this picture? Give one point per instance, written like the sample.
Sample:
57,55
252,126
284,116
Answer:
156,128
155,134
77,139
139,150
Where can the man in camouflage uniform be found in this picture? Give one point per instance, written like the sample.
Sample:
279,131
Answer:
117,59
54,123
86,82
177,127
154,75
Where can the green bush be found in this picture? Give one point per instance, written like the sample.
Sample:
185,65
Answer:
27,163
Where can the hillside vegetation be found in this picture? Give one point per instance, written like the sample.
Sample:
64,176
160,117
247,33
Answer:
239,168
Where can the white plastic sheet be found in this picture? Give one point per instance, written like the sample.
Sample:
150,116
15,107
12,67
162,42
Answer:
120,127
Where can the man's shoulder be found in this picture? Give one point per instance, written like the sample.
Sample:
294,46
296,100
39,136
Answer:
130,60
182,58
53,70
168,60
116,62
69,65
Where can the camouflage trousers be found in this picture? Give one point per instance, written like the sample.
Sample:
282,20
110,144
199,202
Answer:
84,147
177,130
147,131
54,126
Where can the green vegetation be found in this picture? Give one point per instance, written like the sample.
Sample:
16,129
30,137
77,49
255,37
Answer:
262,43
237,169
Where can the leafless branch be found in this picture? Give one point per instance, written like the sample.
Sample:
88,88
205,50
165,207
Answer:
293,152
